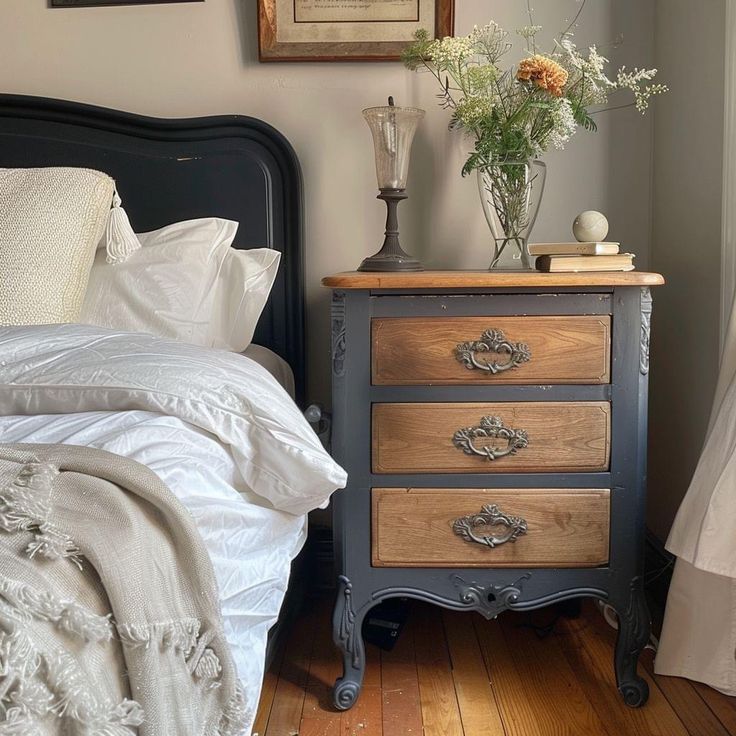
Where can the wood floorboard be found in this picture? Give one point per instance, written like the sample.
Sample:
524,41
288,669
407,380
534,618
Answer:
722,705
268,690
440,710
697,718
478,707
558,703
516,709
454,674
402,711
319,717
288,700
366,716
587,643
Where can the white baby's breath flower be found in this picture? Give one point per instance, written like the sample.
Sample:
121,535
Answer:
564,124
528,32
490,41
634,81
450,51
479,78
472,111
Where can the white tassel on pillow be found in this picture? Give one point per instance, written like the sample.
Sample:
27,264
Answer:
120,240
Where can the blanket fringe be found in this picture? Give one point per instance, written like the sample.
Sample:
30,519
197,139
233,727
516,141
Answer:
26,501
235,715
25,505
19,667
28,700
208,669
68,615
76,701
17,723
181,636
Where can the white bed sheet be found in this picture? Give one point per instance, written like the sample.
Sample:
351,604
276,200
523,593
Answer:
251,545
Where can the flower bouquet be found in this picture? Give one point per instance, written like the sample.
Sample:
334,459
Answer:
516,114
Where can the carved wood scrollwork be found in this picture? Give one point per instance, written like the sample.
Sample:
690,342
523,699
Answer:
346,633
338,333
489,600
646,322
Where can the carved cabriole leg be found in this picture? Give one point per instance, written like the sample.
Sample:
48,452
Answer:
347,633
634,625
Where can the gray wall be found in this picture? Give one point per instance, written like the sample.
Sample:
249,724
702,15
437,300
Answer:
201,58
686,245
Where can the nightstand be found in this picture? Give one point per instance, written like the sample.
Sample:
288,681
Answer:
493,426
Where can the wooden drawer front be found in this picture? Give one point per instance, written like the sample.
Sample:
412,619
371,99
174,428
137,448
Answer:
427,527
544,350
520,437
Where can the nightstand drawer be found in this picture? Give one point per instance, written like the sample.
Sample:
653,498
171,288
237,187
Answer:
504,350
514,437
427,527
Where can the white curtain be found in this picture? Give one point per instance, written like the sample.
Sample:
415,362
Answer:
699,634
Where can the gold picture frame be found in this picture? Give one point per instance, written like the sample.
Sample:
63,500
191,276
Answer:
346,30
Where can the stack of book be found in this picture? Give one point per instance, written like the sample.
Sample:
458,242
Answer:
561,257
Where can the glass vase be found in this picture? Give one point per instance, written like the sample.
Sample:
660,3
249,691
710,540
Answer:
510,192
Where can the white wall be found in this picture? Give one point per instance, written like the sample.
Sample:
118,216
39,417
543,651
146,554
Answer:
686,247
201,58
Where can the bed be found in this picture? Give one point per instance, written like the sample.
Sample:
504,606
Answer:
167,171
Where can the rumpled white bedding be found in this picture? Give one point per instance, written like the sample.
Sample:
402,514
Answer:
251,543
60,369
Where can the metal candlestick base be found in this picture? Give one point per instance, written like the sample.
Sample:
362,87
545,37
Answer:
391,257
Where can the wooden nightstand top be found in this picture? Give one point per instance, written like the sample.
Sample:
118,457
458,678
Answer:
486,279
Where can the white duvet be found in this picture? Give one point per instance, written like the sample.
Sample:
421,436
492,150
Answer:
214,426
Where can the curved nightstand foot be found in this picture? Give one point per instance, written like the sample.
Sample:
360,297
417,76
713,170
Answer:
345,693
635,693
347,634
634,626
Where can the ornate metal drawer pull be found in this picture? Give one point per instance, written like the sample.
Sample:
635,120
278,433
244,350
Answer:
490,428
492,341
489,517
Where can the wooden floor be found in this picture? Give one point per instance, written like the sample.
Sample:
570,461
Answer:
455,674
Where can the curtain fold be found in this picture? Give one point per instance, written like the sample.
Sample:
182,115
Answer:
699,632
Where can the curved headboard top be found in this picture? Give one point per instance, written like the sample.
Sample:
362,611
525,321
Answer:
169,170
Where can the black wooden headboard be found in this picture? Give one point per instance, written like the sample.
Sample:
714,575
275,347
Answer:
168,170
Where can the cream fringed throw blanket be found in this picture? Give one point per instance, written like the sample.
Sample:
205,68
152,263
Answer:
109,613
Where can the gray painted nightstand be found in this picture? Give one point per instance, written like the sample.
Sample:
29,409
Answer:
493,426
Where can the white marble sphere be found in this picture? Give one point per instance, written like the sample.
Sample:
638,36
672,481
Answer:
590,227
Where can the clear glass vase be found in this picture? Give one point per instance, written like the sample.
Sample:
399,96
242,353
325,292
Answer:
510,192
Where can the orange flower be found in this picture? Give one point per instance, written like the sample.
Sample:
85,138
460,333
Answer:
544,73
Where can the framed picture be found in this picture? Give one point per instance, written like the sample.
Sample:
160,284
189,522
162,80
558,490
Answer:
95,3
346,30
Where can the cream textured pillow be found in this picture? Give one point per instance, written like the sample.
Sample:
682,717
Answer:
51,221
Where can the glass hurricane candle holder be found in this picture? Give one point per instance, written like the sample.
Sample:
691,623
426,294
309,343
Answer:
393,130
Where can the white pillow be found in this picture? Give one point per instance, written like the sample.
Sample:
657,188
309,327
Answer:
167,287
241,292
51,220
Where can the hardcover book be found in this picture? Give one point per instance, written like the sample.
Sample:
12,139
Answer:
560,263
580,249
